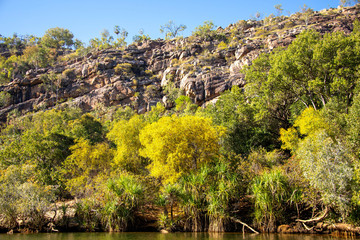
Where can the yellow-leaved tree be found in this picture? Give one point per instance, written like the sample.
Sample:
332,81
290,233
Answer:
308,123
323,158
86,165
177,145
125,134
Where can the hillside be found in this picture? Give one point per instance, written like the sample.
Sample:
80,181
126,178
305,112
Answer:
112,137
201,66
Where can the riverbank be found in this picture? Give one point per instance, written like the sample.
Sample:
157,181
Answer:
159,236
64,218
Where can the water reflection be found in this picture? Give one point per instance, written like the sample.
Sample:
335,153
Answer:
170,236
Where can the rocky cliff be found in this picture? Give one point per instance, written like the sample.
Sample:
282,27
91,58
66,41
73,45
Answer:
203,67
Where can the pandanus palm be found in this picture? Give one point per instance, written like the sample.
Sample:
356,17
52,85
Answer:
127,194
168,196
271,192
193,198
171,193
206,197
221,191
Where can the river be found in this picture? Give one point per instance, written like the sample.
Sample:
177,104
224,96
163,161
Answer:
159,236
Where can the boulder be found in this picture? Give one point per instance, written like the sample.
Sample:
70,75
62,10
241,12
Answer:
239,53
283,228
85,71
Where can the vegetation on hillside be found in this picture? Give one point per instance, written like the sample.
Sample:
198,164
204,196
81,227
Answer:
283,148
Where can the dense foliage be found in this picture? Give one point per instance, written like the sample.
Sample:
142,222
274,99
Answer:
284,147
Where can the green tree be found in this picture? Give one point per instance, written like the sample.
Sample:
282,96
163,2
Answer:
52,83
23,198
39,139
205,31
353,126
57,38
78,45
106,38
33,203
327,165
17,43
172,92
87,127
46,152
169,194
205,196
104,42
10,178
121,35
123,114
141,37
156,113
279,9
12,66
324,159
5,99
312,71
37,56
184,104
172,30
306,13
348,2
245,130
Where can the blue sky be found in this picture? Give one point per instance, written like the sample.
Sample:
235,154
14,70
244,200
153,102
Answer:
87,19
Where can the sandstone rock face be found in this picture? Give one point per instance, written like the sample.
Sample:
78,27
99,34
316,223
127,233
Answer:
137,75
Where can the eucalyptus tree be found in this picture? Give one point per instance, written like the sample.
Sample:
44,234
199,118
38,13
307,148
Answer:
57,38
172,30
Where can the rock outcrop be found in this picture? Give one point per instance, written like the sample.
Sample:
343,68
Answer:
137,75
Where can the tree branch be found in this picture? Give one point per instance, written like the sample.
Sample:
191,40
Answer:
316,219
244,224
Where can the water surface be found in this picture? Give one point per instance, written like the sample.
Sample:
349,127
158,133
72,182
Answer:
159,236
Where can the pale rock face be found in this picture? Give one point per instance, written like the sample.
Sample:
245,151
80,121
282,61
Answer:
166,75
236,67
184,55
185,80
239,53
84,71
